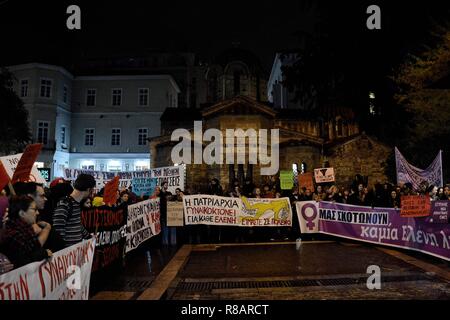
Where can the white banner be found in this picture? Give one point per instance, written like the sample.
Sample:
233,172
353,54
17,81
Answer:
65,276
10,164
242,212
174,176
322,175
212,210
308,216
143,222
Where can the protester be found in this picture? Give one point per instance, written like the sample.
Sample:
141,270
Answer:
178,195
124,198
4,203
23,238
67,216
394,200
5,264
86,204
45,212
215,188
248,188
132,195
319,195
59,189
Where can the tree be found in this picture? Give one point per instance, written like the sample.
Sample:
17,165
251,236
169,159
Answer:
423,90
14,128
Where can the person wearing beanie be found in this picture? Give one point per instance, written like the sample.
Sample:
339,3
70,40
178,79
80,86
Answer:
67,216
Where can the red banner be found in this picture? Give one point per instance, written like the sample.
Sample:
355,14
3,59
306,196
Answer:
415,206
4,178
306,180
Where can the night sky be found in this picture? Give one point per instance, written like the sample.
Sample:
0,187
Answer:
37,31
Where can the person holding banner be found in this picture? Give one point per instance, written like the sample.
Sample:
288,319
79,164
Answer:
20,242
36,192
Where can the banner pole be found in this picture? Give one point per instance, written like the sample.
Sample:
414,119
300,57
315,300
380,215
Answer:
11,189
442,169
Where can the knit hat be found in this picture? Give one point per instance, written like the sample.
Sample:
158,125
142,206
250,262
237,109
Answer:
56,181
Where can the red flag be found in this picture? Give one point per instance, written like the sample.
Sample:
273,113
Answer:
4,178
110,192
26,162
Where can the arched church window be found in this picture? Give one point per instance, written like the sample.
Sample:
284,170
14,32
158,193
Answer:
237,82
339,126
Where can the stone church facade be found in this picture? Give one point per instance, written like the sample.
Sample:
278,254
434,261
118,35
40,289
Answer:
325,137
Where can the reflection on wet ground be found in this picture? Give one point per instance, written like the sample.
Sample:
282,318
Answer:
271,271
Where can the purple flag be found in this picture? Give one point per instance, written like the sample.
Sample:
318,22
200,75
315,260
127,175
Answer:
408,173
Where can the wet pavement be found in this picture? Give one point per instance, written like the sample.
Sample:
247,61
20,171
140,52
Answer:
277,271
318,270
135,274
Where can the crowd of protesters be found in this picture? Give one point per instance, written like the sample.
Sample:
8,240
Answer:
37,221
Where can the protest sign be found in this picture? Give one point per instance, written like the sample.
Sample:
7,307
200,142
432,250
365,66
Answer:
109,226
110,193
26,162
305,180
286,180
143,222
440,211
10,165
415,206
323,175
175,214
266,212
66,276
174,176
144,186
378,225
308,216
212,210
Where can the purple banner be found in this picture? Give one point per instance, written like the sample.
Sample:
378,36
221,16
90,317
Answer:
384,226
408,173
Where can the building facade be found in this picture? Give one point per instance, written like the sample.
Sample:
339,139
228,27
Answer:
302,140
93,122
